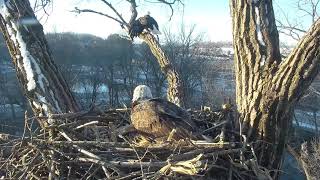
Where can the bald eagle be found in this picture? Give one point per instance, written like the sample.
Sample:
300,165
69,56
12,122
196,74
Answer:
146,22
159,118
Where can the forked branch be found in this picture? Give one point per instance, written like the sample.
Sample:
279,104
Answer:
175,89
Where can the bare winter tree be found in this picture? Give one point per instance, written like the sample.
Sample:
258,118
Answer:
267,87
294,28
43,84
148,66
184,51
175,84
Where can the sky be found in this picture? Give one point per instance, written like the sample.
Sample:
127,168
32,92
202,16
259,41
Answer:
210,17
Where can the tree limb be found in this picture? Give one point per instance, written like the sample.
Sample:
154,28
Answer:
133,11
167,3
77,10
115,11
301,66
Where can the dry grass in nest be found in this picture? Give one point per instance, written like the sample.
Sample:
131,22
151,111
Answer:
87,145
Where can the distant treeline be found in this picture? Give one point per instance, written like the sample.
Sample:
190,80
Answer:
109,69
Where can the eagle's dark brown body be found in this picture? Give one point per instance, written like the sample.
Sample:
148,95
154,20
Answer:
159,117
145,22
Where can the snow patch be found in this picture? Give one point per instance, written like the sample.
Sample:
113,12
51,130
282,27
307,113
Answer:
258,30
44,105
3,8
27,59
15,36
263,60
227,50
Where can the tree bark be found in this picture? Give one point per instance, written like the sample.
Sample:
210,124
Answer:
175,84
42,82
268,87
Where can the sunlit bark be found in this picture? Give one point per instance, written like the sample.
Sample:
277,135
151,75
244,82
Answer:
42,82
268,87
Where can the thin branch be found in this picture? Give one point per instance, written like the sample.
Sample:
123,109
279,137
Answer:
77,10
167,3
282,26
115,11
290,28
133,10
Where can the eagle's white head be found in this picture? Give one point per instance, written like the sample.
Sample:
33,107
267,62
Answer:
141,92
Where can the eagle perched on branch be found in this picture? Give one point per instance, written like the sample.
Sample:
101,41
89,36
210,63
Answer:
144,23
159,118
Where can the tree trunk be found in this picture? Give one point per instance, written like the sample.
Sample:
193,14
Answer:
42,82
175,84
267,87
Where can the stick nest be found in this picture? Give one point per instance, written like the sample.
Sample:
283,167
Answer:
89,145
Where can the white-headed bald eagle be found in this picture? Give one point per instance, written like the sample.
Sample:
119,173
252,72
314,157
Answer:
158,117
146,22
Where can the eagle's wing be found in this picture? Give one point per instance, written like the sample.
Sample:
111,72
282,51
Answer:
178,114
151,20
135,29
159,117
146,118
175,117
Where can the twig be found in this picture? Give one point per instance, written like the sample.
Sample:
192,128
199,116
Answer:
88,171
87,124
116,12
137,154
97,12
25,125
168,3
214,127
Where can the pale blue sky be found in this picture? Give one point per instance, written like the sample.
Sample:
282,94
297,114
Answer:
212,17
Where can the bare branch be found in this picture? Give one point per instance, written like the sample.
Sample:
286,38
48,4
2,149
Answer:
291,33
167,3
115,11
309,7
133,10
77,10
295,28
304,60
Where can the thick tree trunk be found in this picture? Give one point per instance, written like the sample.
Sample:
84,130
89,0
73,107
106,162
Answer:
43,84
267,87
175,84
